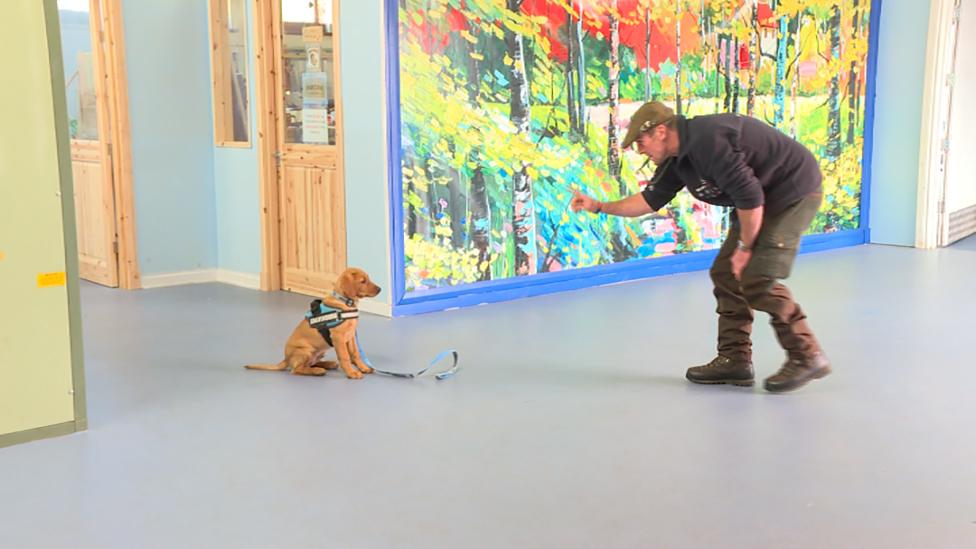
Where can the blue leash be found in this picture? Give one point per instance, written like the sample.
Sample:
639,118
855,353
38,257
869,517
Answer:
438,376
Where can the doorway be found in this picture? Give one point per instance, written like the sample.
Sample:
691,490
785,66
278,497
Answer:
300,145
96,89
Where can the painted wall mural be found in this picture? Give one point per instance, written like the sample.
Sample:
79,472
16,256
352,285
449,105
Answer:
507,105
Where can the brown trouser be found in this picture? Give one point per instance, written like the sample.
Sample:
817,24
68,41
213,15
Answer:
773,254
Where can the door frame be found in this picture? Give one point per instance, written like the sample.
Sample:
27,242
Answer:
115,138
268,102
931,219
117,82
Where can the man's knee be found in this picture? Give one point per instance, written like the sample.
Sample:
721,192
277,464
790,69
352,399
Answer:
756,288
721,274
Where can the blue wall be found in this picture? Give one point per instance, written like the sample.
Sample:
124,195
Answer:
238,210
898,120
364,126
237,188
172,137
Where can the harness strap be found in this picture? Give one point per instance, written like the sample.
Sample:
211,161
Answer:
332,318
324,318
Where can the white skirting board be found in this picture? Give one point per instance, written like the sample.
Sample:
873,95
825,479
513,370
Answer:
179,278
244,280
235,278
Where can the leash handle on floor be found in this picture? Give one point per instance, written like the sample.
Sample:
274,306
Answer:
439,376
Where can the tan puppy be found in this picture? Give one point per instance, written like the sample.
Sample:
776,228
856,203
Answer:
305,346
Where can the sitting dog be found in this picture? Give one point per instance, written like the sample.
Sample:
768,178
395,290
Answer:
330,322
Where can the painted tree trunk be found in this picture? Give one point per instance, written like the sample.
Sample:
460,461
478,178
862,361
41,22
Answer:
859,90
718,72
852,81
795,86
479,212
424,225
480,223
613,140
571,74
523,214
677,43
779,98
647,54
581,74
754,64
735,80
726,42
413,219
705,33
457,207
833,116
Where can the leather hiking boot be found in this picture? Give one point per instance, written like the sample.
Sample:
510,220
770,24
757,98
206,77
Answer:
796,372
723,370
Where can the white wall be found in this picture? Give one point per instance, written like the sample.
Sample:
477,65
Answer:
961,163
168,65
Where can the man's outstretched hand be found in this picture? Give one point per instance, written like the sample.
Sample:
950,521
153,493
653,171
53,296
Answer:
583,202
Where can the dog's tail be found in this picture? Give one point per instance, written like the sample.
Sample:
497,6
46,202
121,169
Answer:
275,367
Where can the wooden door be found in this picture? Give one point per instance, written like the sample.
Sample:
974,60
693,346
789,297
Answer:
91,161
311,197
94,214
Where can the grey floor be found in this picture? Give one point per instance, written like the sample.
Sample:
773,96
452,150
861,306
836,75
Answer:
570,425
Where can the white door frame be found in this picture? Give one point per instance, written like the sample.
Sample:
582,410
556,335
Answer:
931,219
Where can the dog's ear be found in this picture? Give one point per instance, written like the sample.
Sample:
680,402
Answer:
346,284
363,282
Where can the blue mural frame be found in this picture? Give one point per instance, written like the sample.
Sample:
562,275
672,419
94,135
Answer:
493,291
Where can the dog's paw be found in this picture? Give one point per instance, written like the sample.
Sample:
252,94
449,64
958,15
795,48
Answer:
354,374
364,368
316,371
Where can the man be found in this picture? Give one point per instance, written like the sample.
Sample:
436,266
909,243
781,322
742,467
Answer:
774,184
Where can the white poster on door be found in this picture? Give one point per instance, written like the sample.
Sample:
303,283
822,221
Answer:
315,113
315,125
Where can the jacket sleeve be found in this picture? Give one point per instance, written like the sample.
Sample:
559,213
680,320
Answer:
663,187
731,172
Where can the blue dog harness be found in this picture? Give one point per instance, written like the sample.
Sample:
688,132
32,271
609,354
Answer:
324,318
